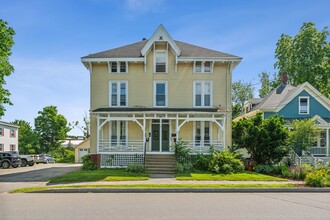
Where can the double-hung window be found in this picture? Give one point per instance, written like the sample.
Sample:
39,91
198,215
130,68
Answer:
118,67
160,94
304,105
118,133
2,131
160,62
12,147
202,133
202,93
202,66
12,133
118,93
1,146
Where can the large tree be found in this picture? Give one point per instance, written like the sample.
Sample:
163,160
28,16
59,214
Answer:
241,93
306,57
28,139
267,84
302,135
52,128
6,43
264,140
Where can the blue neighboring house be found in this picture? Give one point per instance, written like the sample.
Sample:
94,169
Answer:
299,102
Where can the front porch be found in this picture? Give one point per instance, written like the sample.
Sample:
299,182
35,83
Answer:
125,137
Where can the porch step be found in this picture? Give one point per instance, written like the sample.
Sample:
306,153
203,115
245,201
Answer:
160,164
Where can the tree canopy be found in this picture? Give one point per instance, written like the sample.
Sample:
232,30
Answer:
305,57
52,128
264,140
6,43
28,140
241,93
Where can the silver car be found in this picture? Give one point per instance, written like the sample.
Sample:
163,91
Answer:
44,158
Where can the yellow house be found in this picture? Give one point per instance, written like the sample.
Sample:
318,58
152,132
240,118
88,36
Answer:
147,95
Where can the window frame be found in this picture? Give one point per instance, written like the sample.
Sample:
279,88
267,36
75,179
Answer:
1,147
118,67
202,133
118,82
2,132
202,67
118,131
202,82
166,61
12,147
12,133
155,93
308,105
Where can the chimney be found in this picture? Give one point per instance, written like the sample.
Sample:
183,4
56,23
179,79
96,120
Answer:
284,80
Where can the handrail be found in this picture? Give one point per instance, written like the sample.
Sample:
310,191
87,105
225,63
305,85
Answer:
295,155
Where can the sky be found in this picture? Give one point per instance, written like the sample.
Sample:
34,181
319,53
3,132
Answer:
53,35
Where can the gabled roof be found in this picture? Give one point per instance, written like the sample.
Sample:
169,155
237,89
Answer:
275,102
139,49
160,35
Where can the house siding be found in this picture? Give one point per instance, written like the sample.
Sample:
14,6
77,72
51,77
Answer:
291,110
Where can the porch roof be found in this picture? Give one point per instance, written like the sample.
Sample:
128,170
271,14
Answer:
172,110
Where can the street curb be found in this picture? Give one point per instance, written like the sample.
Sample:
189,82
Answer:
187,190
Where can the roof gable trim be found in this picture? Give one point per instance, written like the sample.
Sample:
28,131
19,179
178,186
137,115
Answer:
161,35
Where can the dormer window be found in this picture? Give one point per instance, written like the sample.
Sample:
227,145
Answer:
160,62
203,66
118,67
303,105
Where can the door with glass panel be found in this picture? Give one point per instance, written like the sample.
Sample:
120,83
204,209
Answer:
160,136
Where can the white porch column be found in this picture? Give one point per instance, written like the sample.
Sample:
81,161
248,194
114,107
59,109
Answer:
224,131
328,141
97,134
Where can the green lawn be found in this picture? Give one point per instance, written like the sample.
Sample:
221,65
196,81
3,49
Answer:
148,186
328,180
246,176
99,175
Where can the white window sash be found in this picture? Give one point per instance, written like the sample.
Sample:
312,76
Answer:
118,93
203,93
155,93
307,106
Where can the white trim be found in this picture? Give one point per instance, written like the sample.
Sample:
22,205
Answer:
203,67
203,82
309,89
118,67
113,59
166,61
118,82
299,105
202,123
166,93
160,35
213,59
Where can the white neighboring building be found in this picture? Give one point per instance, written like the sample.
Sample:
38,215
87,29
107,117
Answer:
8,136
71,142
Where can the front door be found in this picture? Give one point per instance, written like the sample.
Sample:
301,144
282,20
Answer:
160,136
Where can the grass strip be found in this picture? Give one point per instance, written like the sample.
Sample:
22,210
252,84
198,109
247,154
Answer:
149,186
99,175
246,176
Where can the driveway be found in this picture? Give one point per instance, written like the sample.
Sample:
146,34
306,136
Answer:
37,175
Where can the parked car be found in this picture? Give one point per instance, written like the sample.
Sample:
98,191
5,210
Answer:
9,159
25,159
44,158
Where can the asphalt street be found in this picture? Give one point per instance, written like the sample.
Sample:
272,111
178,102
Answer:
166,206
37,175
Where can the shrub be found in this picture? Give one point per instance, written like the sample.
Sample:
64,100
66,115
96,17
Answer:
182,151
135,168
184,167
264,168
225,162
316,178
88,165
201,162
279,169
298,172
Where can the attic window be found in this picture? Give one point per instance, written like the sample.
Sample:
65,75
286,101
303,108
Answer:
203,66
118,67
303,105
161,62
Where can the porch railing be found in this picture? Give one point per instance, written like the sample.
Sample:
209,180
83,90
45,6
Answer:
202,147
123,146
318,150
